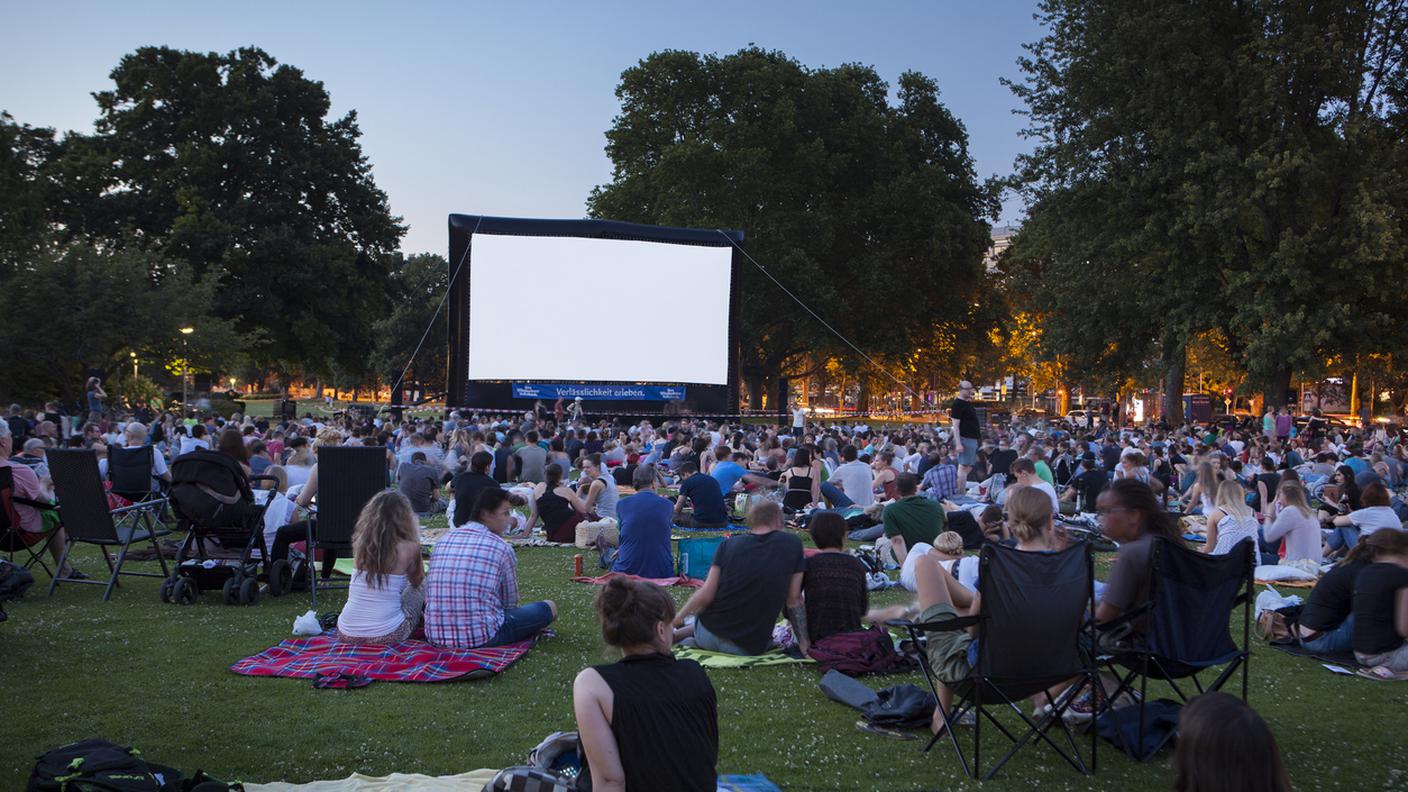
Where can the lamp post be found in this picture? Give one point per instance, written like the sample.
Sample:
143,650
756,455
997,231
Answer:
134,364
186,370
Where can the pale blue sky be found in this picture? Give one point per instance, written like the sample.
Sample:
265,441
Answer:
501,108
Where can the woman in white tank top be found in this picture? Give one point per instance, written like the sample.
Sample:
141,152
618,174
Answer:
1231,521
384,600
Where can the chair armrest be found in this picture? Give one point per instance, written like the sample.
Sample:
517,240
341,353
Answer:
34,504
1124,618
142,505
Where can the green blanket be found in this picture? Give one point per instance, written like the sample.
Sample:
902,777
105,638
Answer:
722,660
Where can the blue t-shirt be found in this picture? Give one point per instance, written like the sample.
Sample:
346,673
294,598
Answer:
728,474
706,498
645,536
1357,464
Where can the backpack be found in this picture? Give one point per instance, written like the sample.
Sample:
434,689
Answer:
858,652
557,764
99,766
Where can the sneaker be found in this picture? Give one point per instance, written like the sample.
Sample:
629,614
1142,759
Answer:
74,573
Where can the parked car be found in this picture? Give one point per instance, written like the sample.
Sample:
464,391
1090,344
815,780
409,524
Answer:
1080,418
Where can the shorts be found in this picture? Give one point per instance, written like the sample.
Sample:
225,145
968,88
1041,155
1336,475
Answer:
522,622
947,650
969,455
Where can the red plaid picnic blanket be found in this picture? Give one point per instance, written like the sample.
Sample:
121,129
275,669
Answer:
670,581
408,661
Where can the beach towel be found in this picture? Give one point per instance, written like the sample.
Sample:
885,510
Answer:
663,582
408,661
756,782
472,781
723,660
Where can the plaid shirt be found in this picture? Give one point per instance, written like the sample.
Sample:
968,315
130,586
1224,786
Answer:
941,481
473,580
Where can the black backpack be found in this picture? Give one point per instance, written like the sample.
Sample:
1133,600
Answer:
99,766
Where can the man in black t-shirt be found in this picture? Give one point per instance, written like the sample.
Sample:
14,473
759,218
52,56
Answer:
753,578
963,420
467,486
704,494
1087,484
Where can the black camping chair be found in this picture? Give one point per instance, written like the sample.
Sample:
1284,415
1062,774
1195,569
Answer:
83,505
213,499
1034,619
130,471
12,539
1189,615
348,477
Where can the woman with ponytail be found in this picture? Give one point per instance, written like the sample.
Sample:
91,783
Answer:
647,721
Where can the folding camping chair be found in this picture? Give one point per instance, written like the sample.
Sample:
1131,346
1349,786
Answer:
12,539
348,477
1189,613
83,505
1034,617
130,471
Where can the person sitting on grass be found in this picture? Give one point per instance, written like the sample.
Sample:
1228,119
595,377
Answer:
703,492
384,598
645,530
976,524
468,485
471,591
1375,513
648,721
1225,746
952,653
911,520
1381,603
1231,520
753,578
834,584
419,481
556,505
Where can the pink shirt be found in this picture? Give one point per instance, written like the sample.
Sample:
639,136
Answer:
26,486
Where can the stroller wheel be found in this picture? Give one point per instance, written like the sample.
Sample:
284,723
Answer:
280,578
167,586
231,591
249,591
185,591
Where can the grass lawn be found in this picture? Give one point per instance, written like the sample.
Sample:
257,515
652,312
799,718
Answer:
155,676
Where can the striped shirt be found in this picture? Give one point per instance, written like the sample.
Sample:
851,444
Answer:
473,580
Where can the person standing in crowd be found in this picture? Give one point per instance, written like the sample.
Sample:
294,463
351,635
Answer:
95,394
965,430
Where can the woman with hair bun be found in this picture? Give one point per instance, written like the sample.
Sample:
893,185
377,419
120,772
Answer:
647,721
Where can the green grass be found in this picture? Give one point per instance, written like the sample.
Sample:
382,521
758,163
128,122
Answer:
138,672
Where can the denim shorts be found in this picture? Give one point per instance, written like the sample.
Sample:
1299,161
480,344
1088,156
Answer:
969,455
522,622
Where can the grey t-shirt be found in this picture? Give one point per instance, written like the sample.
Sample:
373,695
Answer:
1129,578
418,482
531,461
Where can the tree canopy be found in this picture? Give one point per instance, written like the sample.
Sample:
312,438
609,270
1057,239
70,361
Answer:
868,210
1234,167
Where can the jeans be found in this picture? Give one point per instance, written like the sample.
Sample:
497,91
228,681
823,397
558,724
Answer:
522,622
834,496
1335,641
1342,536
298,532
710,642
868,534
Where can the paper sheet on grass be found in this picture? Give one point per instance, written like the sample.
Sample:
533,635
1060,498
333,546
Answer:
723,660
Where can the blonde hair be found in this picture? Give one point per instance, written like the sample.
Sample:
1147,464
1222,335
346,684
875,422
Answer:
328,437
949,543
1028,513
278,472
1295,497
385,522
1232,500
764,513
1207,479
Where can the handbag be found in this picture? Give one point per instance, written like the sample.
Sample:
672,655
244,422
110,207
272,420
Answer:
1278,626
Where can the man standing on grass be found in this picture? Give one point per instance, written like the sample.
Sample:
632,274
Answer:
964,423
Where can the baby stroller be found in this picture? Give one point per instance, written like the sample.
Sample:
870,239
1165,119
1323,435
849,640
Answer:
212,499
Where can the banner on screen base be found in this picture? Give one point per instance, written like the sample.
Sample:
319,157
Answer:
546,390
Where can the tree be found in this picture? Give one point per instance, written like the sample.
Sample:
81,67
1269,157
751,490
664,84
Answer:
861,207
228,164
75,307
1228,166
27,155
418,285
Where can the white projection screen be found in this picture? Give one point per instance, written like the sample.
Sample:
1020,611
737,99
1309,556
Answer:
555,308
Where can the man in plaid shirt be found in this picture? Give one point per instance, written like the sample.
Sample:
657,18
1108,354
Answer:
471,591
941,480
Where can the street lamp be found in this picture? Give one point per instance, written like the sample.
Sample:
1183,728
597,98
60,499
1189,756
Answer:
186,370
134,364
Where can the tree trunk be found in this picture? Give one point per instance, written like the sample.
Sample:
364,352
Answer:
1274,394
1173,385
755,390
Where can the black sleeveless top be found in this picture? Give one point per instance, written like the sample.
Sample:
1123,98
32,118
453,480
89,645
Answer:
665,720
799,492
556,511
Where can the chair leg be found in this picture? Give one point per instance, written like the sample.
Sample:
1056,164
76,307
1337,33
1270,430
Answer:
63,558
156,547
117,569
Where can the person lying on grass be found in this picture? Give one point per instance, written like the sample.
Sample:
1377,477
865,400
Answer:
384,599
753,577
471,591
942,597
648,721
